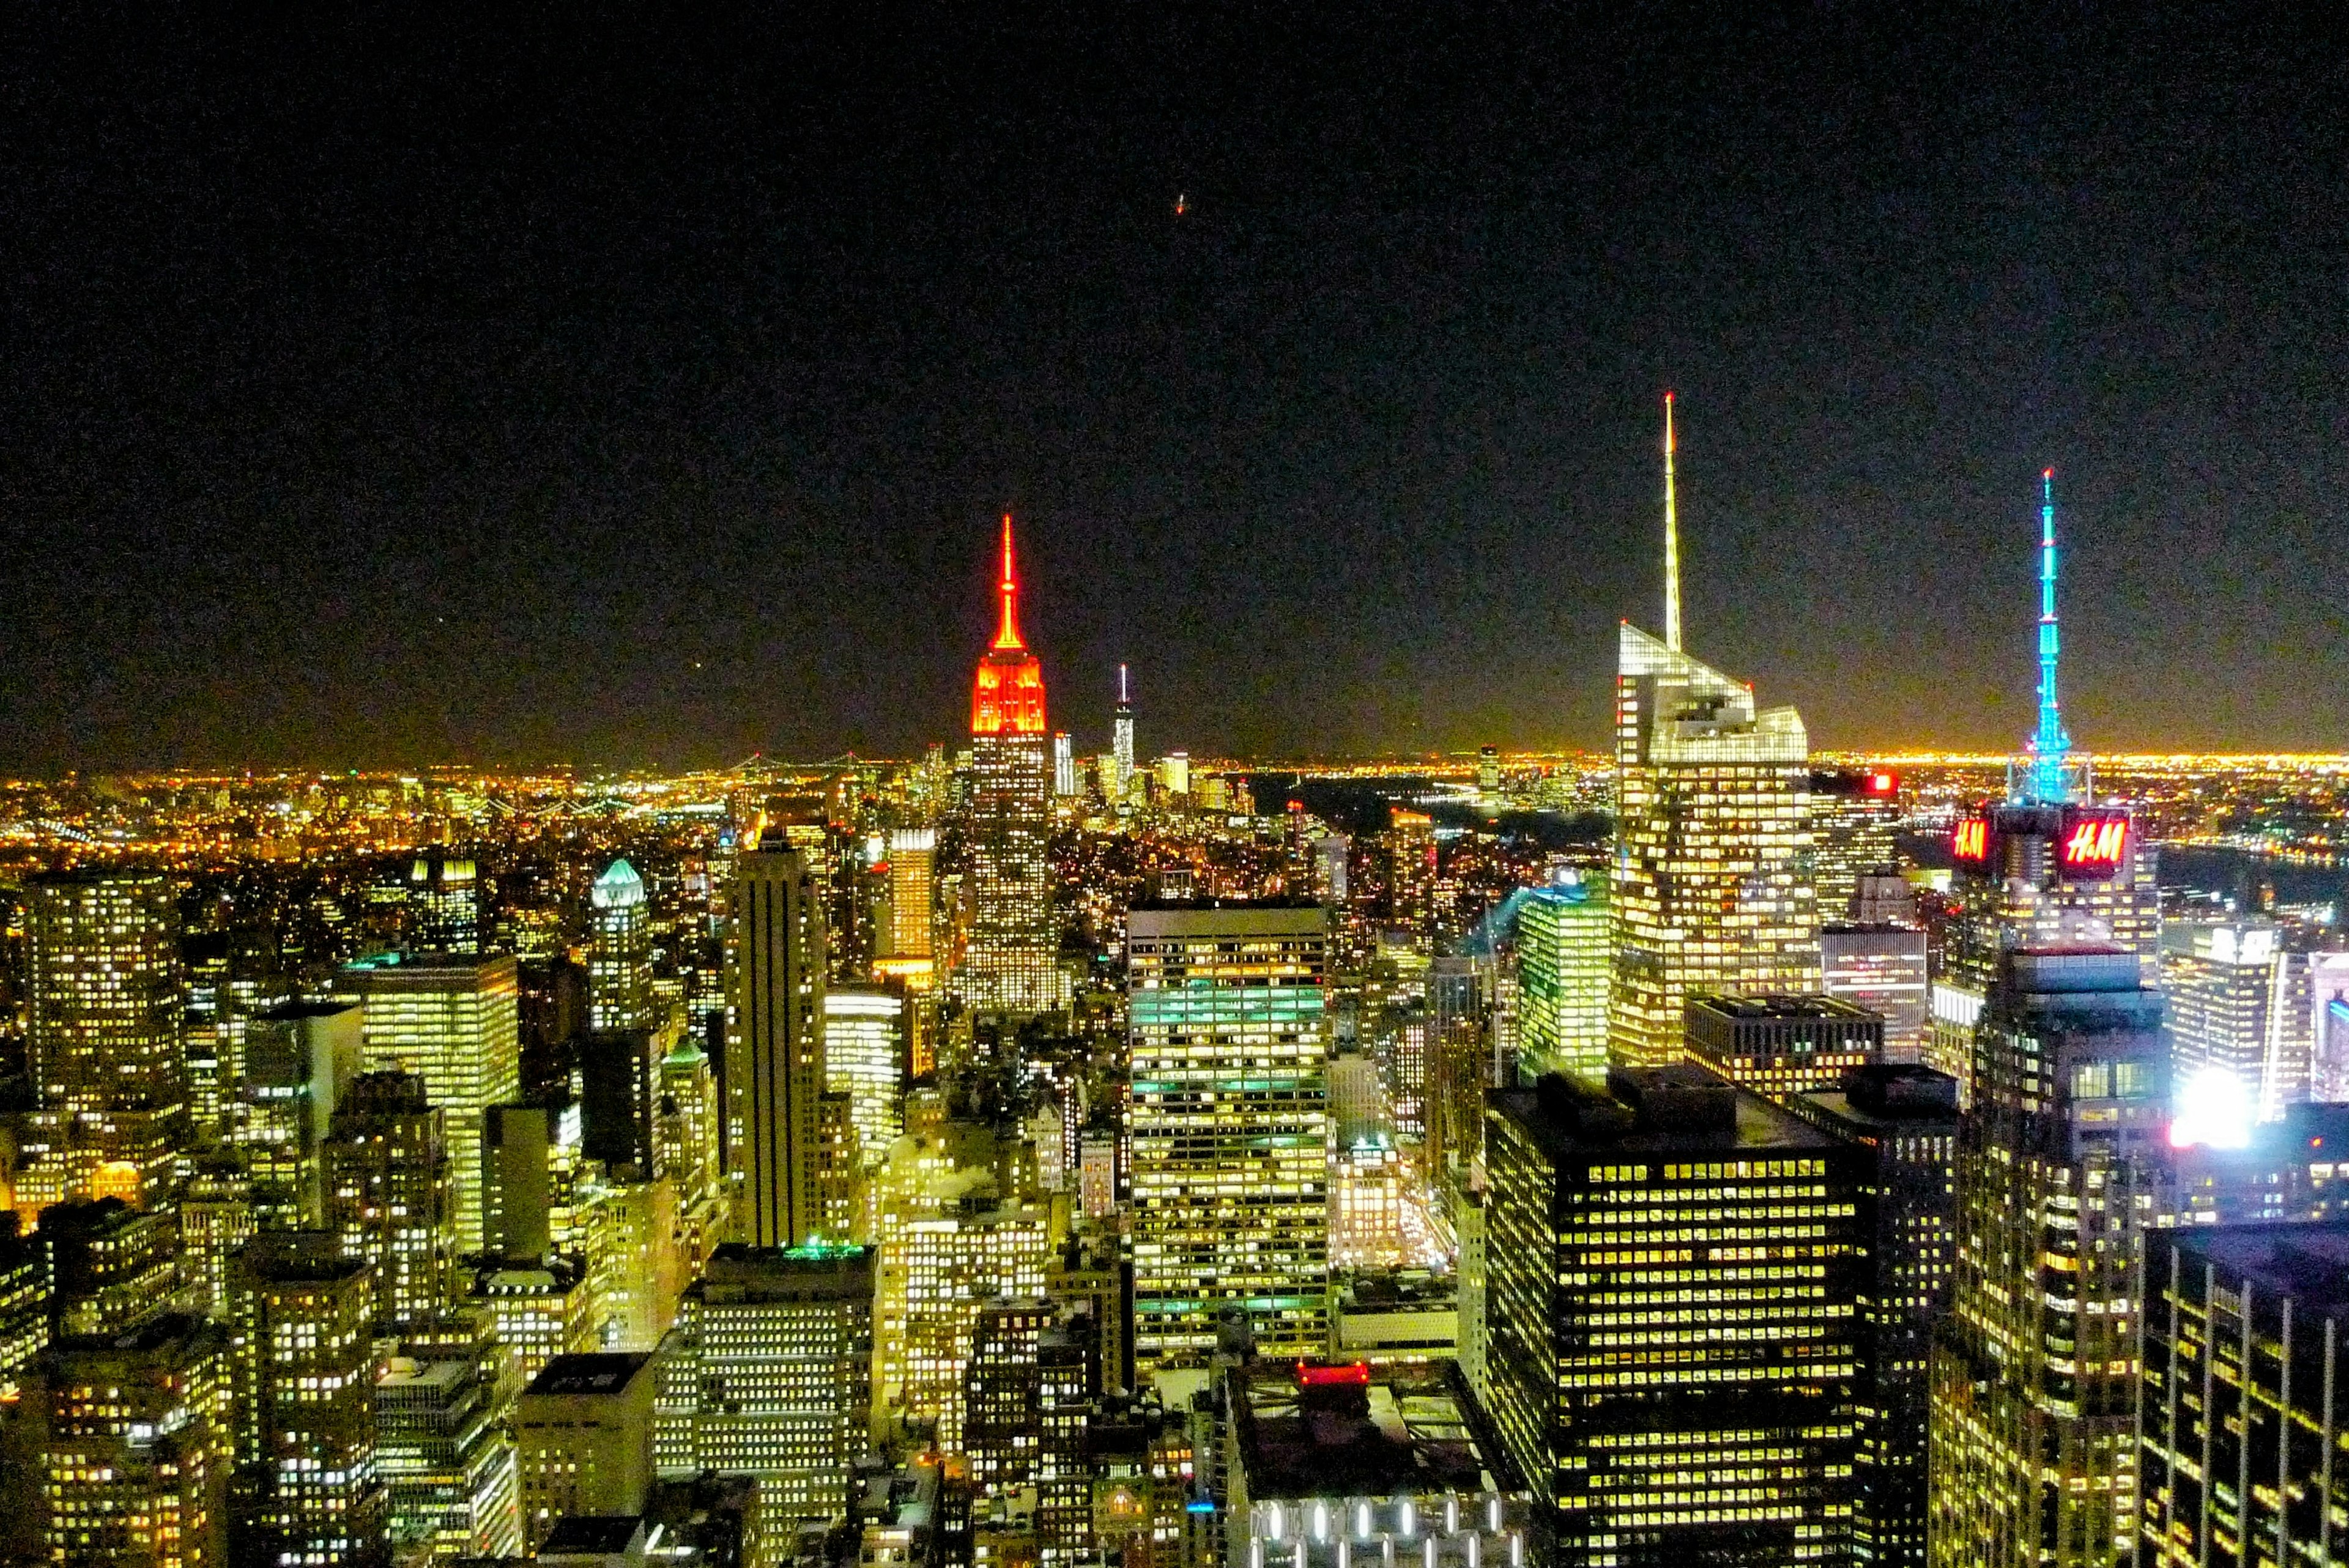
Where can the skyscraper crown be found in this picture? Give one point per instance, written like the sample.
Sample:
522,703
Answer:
1007,695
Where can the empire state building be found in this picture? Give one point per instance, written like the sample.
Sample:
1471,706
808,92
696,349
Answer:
1011,966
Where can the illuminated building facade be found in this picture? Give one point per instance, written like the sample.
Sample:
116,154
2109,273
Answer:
909,949
1563,973
537,1312
298,1058
1003,1418
1673,1275
2239,1006
2245,1392
1854,818
448,1463
103,1016
686,1150
583,1440
1459,1064
1884,968
775,1045
1064,765
1011,963
2034,1383
1229,1123
1903,1119
1780,1046
136,1458
444,903
1120,742
389,1196
619,952
1368,1177
939,1270
454,1020
864,1055
768,1374
309,1493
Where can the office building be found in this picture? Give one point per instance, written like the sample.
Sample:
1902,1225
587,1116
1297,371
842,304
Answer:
520,1145
1855,822
1330,884
2244,1392
308,1491
537,1312
2059,1164
390,1194
619,952
447,1461
103,1016
1459,1067
136,1458
299,1058
937,1271
769,1372
1064,765
1673,1273
1904,1120
1174,773
2047,865
908,946
444,908
686,1150
1563,974
1011,962
454,1020
1881,967
1780,1046
111,1264
583,1440
1003,1409
865,1053
1369,1179
1229,1124
774,1064
229,977
1711,891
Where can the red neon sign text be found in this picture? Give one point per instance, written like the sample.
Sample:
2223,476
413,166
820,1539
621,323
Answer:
1970,841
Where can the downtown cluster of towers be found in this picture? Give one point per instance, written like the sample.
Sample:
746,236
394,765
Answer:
1794,1218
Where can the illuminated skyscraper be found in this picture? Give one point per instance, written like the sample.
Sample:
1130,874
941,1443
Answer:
619,952
1672,1276
1883,968
2048,864
865,1058
1229,1119
583,1440
1121,741
444,903
1012,964
309,1489
103,1017
1712,891
774,1046
1064,765
769,1372
299,1058
454,1020
447,1460
1780,1046
2238,1007
1855,815
1562,980
2034,1462
388,1194
137,1456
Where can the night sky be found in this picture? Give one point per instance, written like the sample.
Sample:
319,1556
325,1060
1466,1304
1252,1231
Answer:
400,385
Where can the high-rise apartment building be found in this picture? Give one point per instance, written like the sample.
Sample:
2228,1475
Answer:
1011,962
1712,889
2060,1163
103,1015
2245,1391
454,1020
775,1045
309,1494
1229,1122
768,1373
136,1458
619,952
1563,973
1780,1046
1673,1270
1904,1121
389,1195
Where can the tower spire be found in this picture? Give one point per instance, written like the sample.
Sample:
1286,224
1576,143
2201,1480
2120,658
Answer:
2051,747
1008,634
1672,542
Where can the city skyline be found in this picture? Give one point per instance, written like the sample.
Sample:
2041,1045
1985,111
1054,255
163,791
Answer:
669,435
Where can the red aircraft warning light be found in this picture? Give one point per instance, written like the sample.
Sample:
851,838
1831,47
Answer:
1312,1376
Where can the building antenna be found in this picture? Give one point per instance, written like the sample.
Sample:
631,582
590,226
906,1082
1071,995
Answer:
1672,542
1122,697
2051,749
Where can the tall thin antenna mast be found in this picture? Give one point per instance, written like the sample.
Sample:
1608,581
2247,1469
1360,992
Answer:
2051,747
1672,542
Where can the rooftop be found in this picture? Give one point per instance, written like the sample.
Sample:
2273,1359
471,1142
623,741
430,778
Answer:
1682,1108
2308,1262
1781,1006
588,1373
1306,1429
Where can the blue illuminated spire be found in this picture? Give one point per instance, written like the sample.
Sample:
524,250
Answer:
2051,749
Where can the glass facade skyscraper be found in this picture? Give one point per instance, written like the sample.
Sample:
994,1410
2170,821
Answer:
1563,973
1229,1121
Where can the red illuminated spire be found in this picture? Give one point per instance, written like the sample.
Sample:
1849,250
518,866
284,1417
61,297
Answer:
1007,636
